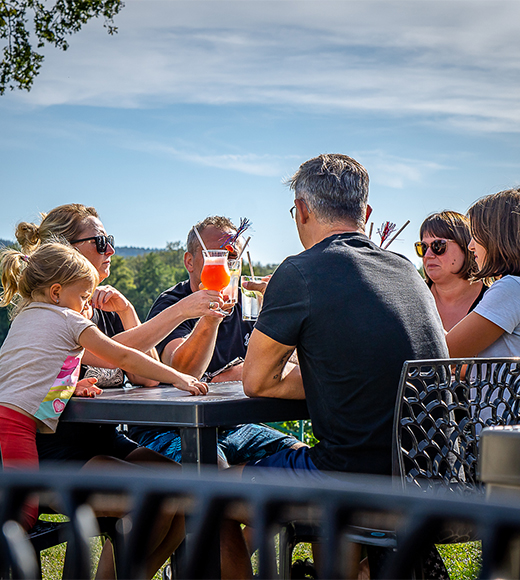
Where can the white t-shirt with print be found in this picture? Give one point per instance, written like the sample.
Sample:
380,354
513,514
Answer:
40,361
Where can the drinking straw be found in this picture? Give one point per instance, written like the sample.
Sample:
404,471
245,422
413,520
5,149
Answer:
245,246
398,232
200,239
250,264
370,231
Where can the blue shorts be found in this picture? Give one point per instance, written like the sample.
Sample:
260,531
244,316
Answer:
296,463
236,445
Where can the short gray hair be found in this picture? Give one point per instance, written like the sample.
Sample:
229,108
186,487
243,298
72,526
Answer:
217,221
335,188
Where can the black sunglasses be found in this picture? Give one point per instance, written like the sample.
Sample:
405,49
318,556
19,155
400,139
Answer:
101,242
438,247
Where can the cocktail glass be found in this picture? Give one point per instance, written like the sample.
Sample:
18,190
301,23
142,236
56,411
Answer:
230,292
215,273
251,299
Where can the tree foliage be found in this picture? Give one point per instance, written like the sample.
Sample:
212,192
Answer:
142,278
23,22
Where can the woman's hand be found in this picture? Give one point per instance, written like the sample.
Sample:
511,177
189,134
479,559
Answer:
202,303
87,388
190,384
109,299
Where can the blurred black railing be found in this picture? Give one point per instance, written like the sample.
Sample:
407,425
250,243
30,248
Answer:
337,506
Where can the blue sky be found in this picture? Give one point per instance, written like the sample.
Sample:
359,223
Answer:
203,107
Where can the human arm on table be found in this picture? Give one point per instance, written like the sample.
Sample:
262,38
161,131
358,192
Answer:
267,371
136,362
192,354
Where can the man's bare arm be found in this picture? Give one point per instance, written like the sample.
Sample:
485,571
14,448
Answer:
267,371
193,354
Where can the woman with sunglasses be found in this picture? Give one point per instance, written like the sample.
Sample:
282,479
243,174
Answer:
449,265
115,316
493,328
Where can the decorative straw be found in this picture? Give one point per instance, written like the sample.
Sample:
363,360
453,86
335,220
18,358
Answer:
252,272
245,246
370,231
393,237
200,239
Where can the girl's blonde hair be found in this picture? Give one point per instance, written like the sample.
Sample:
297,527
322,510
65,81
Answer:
65,221
495,225
51,263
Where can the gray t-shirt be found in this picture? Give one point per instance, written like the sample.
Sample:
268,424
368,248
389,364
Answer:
501,305
40,361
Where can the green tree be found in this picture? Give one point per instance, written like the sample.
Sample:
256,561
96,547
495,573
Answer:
121,275
152,278
50,24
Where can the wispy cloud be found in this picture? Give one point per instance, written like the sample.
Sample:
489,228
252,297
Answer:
249,163
456,60
397,172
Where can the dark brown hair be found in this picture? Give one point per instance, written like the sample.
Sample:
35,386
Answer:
452,225
495,225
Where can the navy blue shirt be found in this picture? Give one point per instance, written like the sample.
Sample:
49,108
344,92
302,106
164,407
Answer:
233,333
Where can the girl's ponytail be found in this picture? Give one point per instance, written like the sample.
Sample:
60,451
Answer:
28,236
12,265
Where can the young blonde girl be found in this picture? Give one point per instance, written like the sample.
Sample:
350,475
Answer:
492,329
41,356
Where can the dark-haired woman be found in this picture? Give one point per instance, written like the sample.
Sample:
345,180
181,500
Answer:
493,327
449,265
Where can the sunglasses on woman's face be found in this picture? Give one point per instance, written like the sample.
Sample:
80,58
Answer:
101,242
438,247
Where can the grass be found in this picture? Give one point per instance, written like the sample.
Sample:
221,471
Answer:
463,561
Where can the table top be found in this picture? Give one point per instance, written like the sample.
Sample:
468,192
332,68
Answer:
225,405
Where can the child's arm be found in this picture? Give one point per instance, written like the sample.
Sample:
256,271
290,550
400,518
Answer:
136,362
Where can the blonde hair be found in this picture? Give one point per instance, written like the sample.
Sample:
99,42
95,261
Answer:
52,263
65,221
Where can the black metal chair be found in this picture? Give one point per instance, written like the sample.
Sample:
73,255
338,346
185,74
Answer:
441,408
46,534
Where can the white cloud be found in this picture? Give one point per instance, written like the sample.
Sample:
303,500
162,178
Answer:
454,59
397,172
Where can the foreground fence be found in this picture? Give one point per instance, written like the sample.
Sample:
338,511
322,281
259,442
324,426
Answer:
336,508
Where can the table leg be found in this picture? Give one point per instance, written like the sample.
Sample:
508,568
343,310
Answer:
199,446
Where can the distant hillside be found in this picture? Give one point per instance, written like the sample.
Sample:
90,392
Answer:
128,251
124,251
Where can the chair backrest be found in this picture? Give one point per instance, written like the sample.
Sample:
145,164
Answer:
441,408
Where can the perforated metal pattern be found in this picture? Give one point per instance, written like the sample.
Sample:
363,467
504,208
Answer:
442,407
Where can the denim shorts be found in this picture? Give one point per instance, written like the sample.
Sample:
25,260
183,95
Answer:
295,463
236,445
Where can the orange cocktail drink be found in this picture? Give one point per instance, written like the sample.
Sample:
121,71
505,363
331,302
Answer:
215,273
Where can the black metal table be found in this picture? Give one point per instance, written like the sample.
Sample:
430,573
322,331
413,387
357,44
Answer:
198,418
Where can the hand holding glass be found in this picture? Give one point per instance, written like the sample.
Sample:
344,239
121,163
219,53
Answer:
251,299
